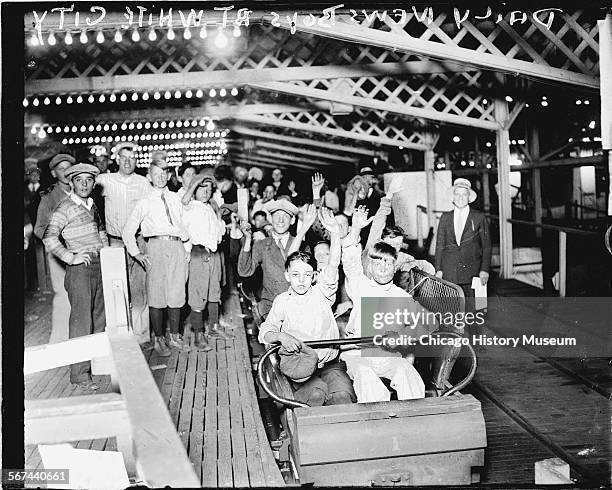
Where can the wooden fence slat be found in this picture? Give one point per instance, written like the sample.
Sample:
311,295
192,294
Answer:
185,413
177,388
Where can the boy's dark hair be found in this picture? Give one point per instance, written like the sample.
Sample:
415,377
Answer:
321,242
184,167
224,172
304,257
260,213
382,249
393,232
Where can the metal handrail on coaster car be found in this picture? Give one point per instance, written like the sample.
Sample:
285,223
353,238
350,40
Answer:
291,403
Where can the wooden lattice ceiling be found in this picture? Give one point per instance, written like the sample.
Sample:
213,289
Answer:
373,82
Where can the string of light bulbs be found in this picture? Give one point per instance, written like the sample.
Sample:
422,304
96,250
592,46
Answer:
123,97
220,39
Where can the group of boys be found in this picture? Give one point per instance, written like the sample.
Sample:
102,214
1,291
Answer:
168,239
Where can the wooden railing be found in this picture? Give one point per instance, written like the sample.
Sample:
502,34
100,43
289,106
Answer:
135,412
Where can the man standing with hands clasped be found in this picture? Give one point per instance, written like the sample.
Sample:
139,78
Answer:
463,244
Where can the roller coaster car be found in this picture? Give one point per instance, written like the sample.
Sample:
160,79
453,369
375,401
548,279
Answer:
437,440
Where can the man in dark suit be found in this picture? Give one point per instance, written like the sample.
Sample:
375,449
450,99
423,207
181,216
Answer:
463,243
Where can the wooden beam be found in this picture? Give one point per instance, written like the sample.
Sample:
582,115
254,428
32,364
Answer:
78,418
228,78
302,151
346,31
371,103
382,140
221,110
50,356
505,203
293,158
303,141
270,163
513,115
161,456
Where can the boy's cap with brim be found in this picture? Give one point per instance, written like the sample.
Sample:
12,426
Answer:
81,168
298,366
125,144
281,205
59,158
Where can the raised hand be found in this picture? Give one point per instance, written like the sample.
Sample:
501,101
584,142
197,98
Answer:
360,218
310,215
327,219
317,184
245,227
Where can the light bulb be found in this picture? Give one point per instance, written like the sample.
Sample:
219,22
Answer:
69,100
152,35
508,98
25,103
123,98
177,94
156,95
135,35
134,96
100,37
90,99
79,99
46,101
118,37
112,97
188,94
171,34
51,39
34,130
68,38
145,96
222,92
203,33
58,100
456,139
42,133
83,37
236,31
199,94
33,40
234,91
221,39
167,94
212,92
101,98
187,33
210,126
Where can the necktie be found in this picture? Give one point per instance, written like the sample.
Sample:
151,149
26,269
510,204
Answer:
280,246
167,209
458,227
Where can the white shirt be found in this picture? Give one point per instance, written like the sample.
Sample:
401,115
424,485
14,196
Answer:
33,186
460,216
202,224
283,239
121,193
88,203
150,214
289,311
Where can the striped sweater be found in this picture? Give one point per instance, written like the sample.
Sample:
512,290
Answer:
81,229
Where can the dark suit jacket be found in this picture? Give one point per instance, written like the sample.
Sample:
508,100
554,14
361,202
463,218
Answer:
460,263
265,253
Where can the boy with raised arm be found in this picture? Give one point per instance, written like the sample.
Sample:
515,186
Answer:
366,366
304,313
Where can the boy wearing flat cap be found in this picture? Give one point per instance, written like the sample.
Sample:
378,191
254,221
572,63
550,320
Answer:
271,252
50,198
77,221
160,218
205,227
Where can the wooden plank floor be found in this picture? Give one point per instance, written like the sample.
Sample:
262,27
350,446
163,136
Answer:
210,395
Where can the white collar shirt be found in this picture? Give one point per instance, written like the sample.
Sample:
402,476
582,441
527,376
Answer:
460,216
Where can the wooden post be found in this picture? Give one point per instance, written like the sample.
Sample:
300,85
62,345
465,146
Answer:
503,178
562,263
486,194
419,225
536,183
605,74
429,158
